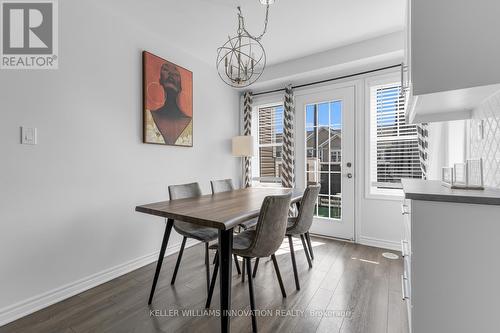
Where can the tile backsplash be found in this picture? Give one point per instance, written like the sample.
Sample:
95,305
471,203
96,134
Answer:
485,138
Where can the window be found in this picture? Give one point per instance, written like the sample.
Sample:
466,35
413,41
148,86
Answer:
394,152
323,155
270,143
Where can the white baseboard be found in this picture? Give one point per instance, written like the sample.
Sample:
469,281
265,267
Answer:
38,302
381,243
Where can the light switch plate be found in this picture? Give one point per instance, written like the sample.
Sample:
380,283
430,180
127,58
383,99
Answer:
28,136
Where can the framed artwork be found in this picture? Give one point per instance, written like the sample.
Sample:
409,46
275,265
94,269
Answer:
167,102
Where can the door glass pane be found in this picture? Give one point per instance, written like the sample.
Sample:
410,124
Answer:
324,155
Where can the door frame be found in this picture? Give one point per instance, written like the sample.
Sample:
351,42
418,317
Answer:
301,96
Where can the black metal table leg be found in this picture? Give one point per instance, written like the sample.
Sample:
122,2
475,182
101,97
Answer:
164,243
225,263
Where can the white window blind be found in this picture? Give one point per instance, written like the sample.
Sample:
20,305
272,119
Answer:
270,143
394,152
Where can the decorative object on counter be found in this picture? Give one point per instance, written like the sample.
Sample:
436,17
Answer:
468,175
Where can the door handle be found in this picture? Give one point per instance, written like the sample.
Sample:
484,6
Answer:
349,175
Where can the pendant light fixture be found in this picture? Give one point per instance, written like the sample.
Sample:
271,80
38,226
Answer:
242,58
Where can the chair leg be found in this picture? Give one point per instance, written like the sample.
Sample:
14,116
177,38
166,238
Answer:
250,290
306,251
212,283
308,239
236,263
255,267
294,264
207,265
278,275
243,271
179,258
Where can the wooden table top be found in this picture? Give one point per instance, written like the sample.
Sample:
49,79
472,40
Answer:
222,210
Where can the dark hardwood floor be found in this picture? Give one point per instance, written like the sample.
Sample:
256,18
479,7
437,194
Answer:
351,288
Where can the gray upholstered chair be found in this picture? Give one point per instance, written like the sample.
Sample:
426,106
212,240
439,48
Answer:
223,185
263,241
226,185
300,225
189,230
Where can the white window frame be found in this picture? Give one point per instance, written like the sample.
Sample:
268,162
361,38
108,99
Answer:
372,192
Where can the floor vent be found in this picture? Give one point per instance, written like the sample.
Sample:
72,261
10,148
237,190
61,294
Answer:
390,255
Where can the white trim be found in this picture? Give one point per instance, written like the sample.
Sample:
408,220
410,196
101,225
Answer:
38,302
381,243
332,238
368,241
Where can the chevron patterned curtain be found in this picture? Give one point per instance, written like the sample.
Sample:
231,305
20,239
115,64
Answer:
288,173
423,147
247,130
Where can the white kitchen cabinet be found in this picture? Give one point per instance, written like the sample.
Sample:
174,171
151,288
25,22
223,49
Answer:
452,272
451,57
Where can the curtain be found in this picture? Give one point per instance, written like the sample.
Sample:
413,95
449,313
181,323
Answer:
247,130
288,174
423,147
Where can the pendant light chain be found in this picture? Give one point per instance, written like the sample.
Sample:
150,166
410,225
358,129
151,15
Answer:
242,23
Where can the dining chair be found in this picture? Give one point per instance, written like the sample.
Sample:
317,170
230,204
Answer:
263,241
189,230
299,226
226,185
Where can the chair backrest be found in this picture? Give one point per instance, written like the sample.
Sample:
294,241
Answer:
224,185
271,226
306,209
183,191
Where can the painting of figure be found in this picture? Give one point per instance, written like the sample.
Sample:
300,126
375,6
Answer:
168,102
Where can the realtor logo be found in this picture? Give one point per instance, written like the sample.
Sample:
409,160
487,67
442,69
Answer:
29,34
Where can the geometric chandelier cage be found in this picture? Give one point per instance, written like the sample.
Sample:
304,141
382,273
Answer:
242,58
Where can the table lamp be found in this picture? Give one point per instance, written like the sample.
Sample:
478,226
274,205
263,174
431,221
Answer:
243,146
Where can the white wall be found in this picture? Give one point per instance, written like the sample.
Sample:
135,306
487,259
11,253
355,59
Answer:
365,55
67,204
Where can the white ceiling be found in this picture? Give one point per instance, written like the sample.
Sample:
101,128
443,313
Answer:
297,27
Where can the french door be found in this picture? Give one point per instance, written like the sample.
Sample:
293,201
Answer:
325,140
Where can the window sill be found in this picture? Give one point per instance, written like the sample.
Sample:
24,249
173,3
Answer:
385,194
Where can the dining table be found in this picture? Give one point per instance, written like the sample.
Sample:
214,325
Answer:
223,211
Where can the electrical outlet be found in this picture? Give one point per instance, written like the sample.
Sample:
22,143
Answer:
28,136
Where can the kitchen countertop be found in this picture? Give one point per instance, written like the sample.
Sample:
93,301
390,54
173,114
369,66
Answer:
433,190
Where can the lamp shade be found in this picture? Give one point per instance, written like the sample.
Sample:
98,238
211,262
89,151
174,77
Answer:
243,146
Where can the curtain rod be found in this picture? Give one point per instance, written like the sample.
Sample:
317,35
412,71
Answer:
328,80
